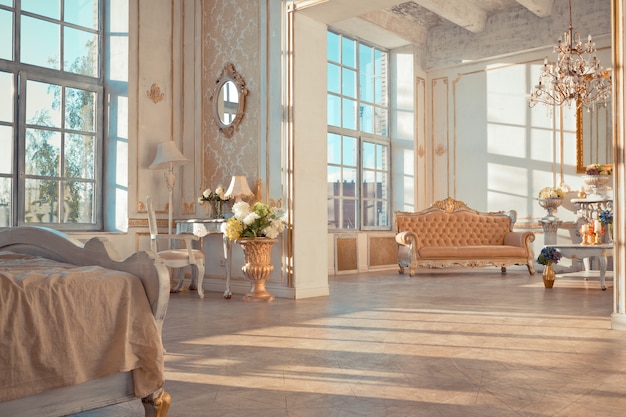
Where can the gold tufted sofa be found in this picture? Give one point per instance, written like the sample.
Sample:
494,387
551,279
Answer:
449,233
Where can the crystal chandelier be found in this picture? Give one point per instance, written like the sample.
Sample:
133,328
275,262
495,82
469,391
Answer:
576,77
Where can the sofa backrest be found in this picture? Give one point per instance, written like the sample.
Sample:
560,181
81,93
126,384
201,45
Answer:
452,223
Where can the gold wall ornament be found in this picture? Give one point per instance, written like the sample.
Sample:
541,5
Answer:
154,93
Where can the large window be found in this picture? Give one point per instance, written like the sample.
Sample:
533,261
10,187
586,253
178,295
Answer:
51,117
358,136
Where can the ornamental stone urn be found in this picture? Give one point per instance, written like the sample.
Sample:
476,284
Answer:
257,266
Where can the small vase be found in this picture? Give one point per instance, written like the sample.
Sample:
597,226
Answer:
257,267
609,234
216,209
548,276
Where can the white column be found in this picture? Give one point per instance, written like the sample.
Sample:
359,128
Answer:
618,318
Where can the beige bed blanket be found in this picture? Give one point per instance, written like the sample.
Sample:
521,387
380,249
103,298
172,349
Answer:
61,325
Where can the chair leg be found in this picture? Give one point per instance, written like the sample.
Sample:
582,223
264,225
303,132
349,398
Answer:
179,273
199,272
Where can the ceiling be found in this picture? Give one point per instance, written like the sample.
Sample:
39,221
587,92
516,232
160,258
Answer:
395,23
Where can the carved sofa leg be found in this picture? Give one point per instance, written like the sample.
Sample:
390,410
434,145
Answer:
531,268
157,404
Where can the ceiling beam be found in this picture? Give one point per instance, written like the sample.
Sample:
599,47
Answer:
457,12
337,10
541,8
402,27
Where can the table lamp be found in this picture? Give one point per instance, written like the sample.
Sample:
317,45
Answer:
168,156
238,188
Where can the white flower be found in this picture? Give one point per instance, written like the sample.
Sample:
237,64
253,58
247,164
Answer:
220,192
206,193
241,210
250,218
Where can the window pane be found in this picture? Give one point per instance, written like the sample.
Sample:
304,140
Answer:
366,72
369,155
350,152
6,2
334,149
42,104
380,125
375,213
6,34
6,156
334,110
381,191
79,156
81,12
6,98
333,212
348,52
37,36
380,161
78,202
80,110
42,198
43,150
380,87
349,182
80,52
367,124
332,44
349,214
369,184
348,83
48,8
334,78
5,202
348,118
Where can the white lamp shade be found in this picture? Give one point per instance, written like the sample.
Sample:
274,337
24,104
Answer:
238,187
167,152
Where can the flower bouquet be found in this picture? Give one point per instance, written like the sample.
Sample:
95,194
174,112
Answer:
549,256
259,220
216,199
606,218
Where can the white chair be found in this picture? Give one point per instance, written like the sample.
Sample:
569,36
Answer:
177,259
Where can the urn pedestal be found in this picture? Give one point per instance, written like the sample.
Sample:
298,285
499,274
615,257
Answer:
257,267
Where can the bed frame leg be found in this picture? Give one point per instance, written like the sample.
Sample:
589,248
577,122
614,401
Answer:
157,404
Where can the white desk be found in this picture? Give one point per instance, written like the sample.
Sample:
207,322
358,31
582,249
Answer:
578,251
203,227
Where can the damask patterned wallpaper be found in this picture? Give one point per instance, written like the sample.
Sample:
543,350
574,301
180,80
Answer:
230,33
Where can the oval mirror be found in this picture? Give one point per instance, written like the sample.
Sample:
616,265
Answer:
228,99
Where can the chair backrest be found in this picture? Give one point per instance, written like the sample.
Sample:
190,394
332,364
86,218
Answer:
152,224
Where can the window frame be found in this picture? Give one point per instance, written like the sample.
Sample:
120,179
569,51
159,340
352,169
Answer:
361,138
22,73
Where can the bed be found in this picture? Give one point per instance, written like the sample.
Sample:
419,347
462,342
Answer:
80,328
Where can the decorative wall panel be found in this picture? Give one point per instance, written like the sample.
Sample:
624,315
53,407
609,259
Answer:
230,33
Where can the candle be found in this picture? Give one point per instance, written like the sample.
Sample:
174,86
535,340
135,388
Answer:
597,227
585,229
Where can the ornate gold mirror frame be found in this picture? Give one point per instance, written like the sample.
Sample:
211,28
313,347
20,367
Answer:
586,140
227,107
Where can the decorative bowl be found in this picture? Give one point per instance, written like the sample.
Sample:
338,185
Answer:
550,204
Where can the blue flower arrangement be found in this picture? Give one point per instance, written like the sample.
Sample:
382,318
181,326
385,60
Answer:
606,217
549,256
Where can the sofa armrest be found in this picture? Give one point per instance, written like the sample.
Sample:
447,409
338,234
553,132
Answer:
520,239
406,238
